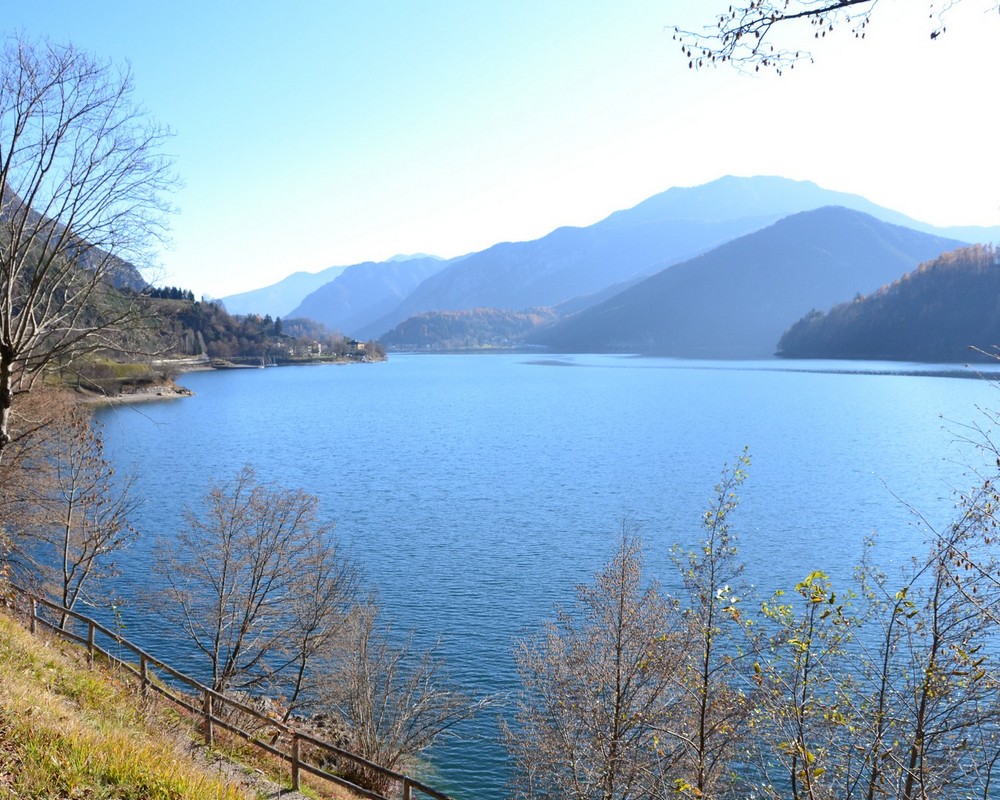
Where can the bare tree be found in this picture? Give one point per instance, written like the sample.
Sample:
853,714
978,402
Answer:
323,605
886,688
633,695
78,519
950,738
27,472
393,700
35,419
743,34
598,686
238,581
713,725
81,185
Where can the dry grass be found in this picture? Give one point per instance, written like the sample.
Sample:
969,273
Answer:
69,732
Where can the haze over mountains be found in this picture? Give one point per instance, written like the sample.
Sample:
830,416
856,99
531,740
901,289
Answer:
736,300
576,269
364,292
280,298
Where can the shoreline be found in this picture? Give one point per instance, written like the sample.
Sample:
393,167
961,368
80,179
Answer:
168,389
144,394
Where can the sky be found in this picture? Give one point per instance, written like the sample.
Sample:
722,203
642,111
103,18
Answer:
316,133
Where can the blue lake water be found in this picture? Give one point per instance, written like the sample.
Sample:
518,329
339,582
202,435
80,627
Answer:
477,490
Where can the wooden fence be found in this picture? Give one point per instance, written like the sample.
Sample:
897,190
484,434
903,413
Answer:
215,710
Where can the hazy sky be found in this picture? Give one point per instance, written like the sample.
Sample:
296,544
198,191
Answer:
327,132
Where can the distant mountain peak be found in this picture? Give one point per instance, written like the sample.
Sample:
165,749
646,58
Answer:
412,256
576,265
736,300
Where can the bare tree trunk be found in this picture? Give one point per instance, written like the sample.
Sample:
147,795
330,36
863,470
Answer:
81,181
6,395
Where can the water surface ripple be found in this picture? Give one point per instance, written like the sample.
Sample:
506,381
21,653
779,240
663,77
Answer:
477,491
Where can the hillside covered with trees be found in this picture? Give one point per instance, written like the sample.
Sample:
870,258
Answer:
946,310
461,330
183,326
169,326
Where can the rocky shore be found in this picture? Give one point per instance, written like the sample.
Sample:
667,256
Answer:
131,394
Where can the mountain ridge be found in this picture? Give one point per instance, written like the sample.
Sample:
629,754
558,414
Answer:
281,298
676,225
736,300
365,291
572,267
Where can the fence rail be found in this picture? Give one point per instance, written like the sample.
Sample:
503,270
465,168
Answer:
216,710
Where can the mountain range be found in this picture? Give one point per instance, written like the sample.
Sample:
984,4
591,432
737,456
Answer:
364,292
576,269
279,298
736,300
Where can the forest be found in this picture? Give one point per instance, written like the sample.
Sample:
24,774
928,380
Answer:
182,326
470,329
947,310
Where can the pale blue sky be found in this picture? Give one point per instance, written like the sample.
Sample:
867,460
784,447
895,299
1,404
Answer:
322,133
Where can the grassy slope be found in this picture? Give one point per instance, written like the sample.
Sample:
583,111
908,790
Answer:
68,732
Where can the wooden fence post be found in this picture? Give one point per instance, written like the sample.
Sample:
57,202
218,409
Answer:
296,755
406,789
209,728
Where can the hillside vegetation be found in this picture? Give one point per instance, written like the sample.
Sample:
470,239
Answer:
185,327
461,330
946,310
66,731
173,325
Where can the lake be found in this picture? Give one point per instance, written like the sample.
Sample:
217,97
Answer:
477,491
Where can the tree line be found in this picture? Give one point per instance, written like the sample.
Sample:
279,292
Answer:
945,310
883,687
169,293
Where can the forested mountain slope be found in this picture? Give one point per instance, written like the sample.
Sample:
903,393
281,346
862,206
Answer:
478,328
946,310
